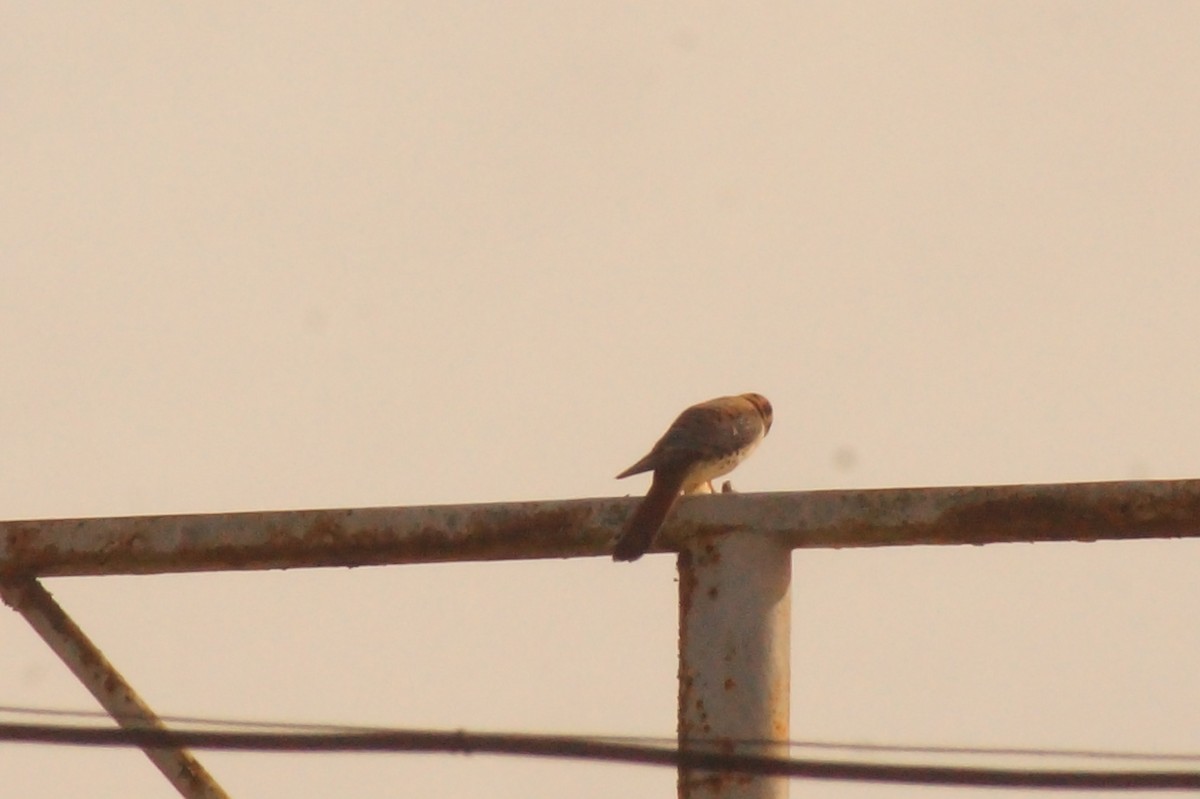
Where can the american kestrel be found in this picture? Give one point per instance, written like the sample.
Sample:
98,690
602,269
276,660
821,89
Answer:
705,442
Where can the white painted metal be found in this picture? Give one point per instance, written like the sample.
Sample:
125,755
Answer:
734,680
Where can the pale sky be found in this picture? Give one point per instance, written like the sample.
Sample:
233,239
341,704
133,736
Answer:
302,255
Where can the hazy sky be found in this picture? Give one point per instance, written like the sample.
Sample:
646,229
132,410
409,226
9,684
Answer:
294,255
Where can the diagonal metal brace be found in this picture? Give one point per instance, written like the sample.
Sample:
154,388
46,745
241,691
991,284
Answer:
29,598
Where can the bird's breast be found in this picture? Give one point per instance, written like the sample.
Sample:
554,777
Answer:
707,469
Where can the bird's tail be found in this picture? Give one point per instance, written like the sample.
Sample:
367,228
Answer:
642,526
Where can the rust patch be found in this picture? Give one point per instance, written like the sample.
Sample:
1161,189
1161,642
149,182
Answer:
686,569
26,551
555,531
712,782
483,535
306,538
1036,516
686,574
1074,512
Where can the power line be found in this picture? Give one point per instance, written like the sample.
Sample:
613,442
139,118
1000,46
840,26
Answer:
581,748
998,751
659,742
199,721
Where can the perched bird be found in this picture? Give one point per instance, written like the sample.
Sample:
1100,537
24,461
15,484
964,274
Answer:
705,442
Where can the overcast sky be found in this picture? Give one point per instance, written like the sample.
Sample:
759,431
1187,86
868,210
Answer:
298,255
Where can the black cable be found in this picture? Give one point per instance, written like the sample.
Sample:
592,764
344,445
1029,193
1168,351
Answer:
846,746
660,742
578,748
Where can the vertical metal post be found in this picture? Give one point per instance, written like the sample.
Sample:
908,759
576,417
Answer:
29,598
734,642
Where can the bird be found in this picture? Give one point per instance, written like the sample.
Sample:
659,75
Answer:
706,441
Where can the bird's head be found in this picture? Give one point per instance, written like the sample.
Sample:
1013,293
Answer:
763,406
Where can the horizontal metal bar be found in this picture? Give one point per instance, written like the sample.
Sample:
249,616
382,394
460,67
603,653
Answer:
585,527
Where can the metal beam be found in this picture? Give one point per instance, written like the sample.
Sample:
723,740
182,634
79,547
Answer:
582,528
734,574
734,669
88,664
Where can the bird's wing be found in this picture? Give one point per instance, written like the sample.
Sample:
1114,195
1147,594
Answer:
709,431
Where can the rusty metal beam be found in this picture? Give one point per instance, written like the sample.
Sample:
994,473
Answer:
29,598
734,669
582,528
